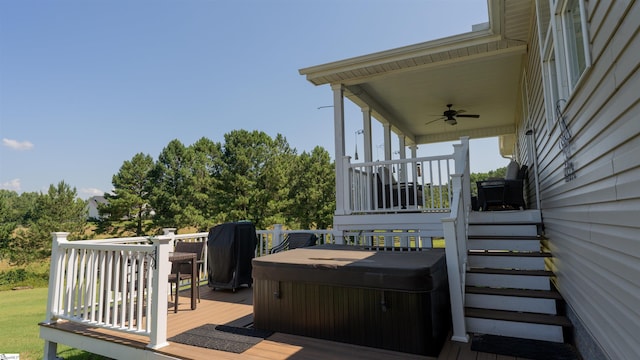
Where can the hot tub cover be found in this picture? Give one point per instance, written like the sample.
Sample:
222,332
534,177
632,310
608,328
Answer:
349,266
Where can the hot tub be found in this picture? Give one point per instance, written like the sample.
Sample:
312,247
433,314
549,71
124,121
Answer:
391,300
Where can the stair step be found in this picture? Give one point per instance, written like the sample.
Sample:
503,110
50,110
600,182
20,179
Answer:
530,216
519,348
506,302
504,237
522,317
510,272
538,294
526,260
509,278
510,253
503,230
510,243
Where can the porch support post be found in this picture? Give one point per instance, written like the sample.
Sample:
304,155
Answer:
53,299
158,336
388,240
387,141
461,155
415,166
366,126
339,141
402,168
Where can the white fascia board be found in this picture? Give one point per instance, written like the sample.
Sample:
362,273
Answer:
400,54
493,33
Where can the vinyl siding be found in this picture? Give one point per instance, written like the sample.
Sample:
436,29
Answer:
593,221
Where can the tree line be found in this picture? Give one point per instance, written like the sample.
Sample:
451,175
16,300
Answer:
250,176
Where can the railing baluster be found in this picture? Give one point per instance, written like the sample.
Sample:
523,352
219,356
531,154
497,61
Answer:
102,289
149,281
140,290
110,274
69,283
132,264
93,274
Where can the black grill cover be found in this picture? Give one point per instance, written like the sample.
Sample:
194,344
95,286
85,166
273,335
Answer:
231,247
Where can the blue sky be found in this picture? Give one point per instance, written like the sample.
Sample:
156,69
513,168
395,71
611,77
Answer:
86,85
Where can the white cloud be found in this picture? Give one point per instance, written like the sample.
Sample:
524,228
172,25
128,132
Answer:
89,192
11,185
17,145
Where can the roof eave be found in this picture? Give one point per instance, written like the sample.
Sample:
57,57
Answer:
317,75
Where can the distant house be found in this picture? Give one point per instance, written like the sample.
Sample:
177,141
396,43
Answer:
92,206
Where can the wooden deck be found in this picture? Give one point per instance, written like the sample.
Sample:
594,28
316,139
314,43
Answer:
224,307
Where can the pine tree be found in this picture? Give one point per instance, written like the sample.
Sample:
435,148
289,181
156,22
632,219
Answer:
131,189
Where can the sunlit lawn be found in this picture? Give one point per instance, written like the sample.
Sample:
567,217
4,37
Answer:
22,310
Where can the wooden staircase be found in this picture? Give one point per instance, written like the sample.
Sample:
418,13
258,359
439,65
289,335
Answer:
508,289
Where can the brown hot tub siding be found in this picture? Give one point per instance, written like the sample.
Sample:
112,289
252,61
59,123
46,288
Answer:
360,298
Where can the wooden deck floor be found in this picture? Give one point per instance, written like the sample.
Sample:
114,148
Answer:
236,309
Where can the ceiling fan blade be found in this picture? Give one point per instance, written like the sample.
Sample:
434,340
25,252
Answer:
432,121
475,116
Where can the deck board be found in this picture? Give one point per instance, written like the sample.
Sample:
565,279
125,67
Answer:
225,307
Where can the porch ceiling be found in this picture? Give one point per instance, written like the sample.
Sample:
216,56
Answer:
410,87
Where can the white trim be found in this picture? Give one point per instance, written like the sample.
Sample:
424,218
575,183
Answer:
102,347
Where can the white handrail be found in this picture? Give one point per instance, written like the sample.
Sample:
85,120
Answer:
455,234
373,188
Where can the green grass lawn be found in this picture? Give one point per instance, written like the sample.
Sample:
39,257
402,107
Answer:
22,310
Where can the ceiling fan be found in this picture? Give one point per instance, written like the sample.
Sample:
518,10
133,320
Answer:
449,116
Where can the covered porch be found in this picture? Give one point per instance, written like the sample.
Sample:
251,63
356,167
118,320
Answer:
459,88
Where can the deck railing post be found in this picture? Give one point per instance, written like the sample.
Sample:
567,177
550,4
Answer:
347,181
277,235
171,232
455,236
159,294
53,298
455,282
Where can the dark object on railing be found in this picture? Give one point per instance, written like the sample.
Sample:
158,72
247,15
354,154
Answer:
403,194
294,241
231,247
502,194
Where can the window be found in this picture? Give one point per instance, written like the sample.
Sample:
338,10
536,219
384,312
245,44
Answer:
564,49
575,40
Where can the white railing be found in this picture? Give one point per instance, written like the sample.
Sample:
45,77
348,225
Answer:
455,234
402,185
389,240
117,284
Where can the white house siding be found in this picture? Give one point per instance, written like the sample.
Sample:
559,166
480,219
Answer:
593,221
